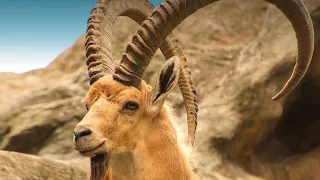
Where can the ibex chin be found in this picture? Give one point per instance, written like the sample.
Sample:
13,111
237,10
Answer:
125,113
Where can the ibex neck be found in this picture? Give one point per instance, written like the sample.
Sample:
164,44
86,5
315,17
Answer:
158,155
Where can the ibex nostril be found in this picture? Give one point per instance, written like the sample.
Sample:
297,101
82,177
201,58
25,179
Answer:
82,133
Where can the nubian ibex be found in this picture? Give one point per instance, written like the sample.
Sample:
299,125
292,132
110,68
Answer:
125,113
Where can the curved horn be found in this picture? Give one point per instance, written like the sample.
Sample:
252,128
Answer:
99,32
297,13
171,12
99,53
98,42
170,48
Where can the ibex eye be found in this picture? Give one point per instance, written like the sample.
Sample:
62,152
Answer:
131,106
87,107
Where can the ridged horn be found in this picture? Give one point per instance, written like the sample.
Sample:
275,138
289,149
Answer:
169,48
171,13
99,32
298,15
98,42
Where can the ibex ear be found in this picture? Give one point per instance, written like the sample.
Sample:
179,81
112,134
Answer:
167,79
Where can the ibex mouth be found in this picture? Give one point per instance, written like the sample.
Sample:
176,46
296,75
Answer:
91,151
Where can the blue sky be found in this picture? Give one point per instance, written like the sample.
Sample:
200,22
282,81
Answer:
34,32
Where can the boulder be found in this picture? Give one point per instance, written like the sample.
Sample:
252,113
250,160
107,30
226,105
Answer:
17,166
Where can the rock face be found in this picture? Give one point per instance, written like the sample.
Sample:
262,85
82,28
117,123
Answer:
240,53
16,166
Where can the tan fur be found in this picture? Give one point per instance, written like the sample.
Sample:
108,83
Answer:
147,133
186,150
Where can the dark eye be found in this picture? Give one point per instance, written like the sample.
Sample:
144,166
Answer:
87,107
132,106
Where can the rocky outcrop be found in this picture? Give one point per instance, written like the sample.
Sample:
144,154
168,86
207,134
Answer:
16,166
240,53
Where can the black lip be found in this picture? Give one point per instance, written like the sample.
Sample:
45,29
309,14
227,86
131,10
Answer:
83,152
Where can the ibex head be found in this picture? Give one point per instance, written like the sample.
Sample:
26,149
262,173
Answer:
120,115
121,105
